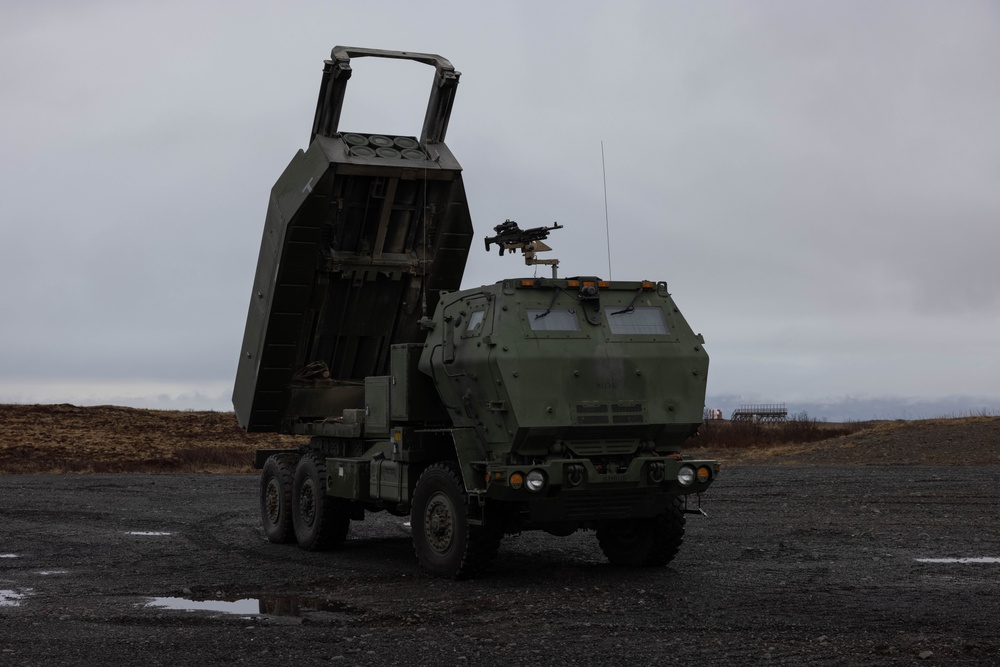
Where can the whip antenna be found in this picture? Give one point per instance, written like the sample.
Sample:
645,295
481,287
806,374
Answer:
607,224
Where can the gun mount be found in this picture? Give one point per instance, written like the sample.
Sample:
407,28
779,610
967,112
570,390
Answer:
509,236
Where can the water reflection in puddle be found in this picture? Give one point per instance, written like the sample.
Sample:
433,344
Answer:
9,556
148,533
10,598
985,559
268,605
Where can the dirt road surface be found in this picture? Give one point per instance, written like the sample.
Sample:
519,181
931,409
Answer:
794,565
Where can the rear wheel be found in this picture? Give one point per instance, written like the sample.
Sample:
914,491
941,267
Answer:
276,497
445,543
320,521
651,542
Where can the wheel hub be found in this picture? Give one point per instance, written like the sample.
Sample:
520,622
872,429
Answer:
272,500
307,504
439,523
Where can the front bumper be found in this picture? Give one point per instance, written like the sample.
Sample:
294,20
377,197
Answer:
576,490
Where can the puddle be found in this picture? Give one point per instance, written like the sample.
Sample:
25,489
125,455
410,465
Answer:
9,556
10,598
986,559
47,573
267,605
245,607
148,533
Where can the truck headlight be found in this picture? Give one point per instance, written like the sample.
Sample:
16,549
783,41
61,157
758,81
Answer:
535,480
685,476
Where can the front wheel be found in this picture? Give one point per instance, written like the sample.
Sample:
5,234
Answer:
445,544
320,521
650,542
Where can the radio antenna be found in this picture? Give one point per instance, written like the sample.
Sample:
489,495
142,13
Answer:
607,224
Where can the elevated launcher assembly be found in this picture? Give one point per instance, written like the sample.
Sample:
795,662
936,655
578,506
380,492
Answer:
363,233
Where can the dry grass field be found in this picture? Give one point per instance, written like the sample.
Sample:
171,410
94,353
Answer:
101,439
71,439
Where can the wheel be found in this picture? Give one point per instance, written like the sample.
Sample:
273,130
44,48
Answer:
651,542
276,497
445,544
320,521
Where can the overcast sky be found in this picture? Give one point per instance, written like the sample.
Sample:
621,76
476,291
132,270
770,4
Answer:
818,182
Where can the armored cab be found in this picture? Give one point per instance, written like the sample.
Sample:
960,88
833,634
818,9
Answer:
530,404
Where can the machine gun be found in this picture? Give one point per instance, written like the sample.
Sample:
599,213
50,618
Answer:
528,241
511,237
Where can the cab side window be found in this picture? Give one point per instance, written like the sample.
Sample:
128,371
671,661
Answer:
552,320
639,320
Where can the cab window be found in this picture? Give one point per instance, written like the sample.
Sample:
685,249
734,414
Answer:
638,320
475,321
552,320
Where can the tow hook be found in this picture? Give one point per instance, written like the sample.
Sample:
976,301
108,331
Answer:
697,510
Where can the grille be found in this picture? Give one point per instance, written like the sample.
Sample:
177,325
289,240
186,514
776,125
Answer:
627,419
590,420
592,414
609,505
602,447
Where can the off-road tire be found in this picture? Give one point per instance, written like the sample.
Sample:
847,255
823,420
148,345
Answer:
276,497
445,543
644,542
320,521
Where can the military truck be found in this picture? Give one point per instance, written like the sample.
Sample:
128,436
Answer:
554,404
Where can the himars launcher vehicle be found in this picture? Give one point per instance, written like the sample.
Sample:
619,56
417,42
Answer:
534,403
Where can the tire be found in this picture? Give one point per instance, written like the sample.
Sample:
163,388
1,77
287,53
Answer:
445,544
320,521
276,498
649,542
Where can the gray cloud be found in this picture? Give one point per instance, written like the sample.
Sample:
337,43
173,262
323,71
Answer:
816,182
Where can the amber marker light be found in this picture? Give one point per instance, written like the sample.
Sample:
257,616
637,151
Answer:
604,284
704,474
572,283
516,480
647,285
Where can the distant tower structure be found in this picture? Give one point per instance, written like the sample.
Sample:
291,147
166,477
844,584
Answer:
760,412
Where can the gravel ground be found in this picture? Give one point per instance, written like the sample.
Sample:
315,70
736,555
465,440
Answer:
795,565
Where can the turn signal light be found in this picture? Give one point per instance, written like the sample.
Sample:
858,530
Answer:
704,474
516,480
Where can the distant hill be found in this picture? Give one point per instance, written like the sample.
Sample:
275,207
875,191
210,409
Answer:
867,408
